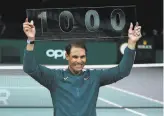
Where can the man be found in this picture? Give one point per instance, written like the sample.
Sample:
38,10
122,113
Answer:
74,91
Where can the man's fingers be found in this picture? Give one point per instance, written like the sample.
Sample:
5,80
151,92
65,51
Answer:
29,24
26,26
137,28
32,22
131,26
26,29
137,32
137,24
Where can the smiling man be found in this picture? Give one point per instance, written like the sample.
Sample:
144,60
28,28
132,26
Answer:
76,56
74,91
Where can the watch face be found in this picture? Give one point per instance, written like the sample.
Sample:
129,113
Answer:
32,42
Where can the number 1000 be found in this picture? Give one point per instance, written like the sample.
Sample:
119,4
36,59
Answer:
66,20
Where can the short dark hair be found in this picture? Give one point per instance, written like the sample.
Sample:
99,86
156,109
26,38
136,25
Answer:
77,43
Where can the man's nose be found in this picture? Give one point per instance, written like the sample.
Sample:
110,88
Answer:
79,60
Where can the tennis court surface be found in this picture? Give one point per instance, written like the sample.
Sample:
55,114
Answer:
139,94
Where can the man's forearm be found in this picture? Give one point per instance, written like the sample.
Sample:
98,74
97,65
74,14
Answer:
29,62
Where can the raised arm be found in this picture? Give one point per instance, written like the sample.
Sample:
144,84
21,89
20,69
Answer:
41,74
123,69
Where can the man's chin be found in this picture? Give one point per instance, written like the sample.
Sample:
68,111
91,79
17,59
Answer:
79,69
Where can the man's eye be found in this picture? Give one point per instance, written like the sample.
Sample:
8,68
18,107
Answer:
75,57
82,56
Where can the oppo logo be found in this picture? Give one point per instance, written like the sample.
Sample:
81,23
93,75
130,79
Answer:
57,53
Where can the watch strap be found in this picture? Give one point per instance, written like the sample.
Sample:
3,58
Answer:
30,41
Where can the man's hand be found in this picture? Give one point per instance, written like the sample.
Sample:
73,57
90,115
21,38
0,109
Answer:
134,35
29,29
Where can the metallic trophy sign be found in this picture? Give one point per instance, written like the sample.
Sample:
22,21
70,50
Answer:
82,22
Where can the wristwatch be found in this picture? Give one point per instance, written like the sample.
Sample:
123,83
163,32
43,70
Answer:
30,41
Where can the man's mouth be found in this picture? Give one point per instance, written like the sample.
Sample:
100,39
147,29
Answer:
79,65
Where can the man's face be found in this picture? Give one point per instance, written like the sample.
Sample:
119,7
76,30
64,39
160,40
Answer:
76,59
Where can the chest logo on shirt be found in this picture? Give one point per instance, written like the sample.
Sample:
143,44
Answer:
86,78
65,78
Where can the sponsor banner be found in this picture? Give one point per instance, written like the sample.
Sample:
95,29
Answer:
82,22
99,53
53,52
145,51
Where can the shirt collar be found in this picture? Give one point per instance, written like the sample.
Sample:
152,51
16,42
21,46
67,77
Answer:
69,71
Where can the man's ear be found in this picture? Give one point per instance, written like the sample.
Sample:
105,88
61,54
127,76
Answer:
66,56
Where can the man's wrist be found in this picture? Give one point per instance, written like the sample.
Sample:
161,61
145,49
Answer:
30,44
131,44
29,41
